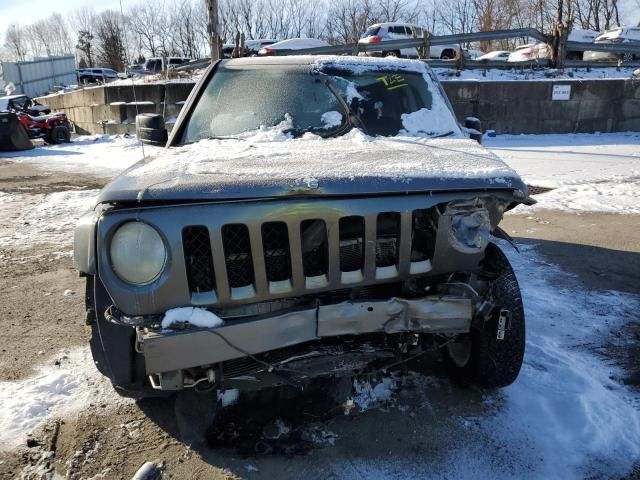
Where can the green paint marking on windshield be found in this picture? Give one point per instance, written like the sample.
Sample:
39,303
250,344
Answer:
393,82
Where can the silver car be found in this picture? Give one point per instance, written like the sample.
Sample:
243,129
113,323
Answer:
620,35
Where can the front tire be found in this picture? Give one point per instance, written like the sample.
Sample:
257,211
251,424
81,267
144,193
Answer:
448,55
481,357
59,134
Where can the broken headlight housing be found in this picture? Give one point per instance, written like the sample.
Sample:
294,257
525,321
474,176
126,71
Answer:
470,230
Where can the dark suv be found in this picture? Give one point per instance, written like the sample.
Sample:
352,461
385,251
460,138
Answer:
310,217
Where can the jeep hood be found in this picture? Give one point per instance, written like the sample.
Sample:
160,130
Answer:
354,164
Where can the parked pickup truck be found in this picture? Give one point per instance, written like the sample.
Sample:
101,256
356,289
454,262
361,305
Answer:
309,217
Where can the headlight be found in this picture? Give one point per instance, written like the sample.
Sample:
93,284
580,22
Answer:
470,231
138,254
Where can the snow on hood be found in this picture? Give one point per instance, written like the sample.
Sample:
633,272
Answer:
269,163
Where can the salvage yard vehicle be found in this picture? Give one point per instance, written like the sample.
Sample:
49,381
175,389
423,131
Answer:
626,35
381,32
53,128
23,103
310,217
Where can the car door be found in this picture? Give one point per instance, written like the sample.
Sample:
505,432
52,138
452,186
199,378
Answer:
411,32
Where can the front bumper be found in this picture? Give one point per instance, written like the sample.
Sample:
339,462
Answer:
168,352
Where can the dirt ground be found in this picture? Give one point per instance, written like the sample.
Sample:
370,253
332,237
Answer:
38,319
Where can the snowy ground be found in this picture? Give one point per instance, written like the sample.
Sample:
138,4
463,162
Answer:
98,155
599,172
568,415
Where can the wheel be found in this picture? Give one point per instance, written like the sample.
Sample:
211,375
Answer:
448,55
490,356
391,54
628,57
58,134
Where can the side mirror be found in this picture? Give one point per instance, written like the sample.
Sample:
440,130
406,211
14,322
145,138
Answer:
475,126
150,129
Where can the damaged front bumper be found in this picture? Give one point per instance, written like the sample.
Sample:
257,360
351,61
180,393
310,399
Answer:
169,352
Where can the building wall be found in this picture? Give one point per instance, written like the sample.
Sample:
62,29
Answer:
38,76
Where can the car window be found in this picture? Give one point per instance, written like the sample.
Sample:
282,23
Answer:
371,31
400,30
19,102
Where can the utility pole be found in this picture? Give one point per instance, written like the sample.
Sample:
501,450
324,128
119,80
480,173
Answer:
212,29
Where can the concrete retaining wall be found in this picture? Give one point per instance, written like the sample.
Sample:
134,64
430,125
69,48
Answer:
113,109
528,107
507,107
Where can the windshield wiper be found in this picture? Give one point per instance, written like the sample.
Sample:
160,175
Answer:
448,134
213,137
347,108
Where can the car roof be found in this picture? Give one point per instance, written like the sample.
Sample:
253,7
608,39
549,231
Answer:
347,61
11,97
394,24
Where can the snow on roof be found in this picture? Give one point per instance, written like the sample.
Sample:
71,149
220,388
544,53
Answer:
581,35
298,43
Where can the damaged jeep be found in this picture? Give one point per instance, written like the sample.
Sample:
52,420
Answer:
309,217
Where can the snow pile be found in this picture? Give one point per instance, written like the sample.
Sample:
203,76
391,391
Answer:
331,119
99,155
589,172
54,391
198,317
30,219
436,120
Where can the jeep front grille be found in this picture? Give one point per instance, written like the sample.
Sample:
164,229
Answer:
262,260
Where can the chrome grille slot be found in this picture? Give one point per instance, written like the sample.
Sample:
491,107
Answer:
237,252
387,239
198,259
351,244
423,238
277,254
315,247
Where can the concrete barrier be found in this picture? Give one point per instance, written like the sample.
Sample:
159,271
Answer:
529,106
603,105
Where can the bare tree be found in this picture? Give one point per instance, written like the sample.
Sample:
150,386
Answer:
14,41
